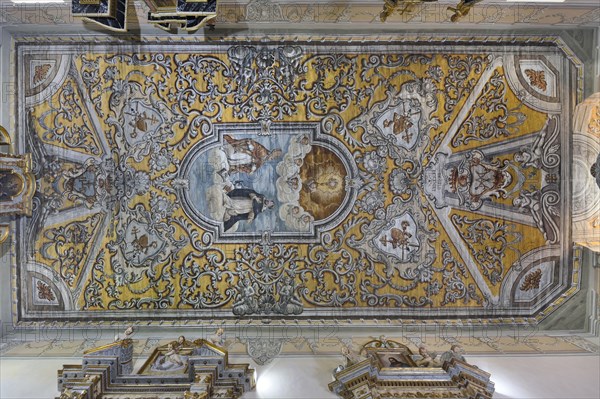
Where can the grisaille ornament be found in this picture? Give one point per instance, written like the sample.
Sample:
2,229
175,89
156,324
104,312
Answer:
263,350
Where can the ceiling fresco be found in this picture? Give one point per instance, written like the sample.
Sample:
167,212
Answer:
294,179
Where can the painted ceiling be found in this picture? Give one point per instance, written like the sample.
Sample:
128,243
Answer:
253,179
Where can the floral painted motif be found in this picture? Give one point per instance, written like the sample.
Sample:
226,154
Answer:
44,291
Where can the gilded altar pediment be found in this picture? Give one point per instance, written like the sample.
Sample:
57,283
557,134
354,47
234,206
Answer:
180,369
388,369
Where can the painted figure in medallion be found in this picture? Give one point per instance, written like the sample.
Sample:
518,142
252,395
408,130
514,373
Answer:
323,183
142,243
247,155
399,238
140,123
239,176
244,204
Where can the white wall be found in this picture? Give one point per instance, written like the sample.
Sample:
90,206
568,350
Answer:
517,377
548,377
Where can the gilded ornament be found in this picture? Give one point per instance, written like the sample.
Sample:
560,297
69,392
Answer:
207,374
462,9
4,232
408,6
401,374
4,136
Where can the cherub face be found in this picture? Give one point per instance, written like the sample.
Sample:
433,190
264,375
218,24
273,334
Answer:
304,140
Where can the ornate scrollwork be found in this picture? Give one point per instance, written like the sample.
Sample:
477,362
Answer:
270,287
543,207
460,81
497,120
263,79
93,291
403,120
67,246
453,276
489,241
57,122
544,152
475,180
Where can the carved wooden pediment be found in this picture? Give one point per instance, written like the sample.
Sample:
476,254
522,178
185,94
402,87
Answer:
391,370
180,369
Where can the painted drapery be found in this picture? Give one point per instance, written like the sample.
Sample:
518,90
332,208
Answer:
273,178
